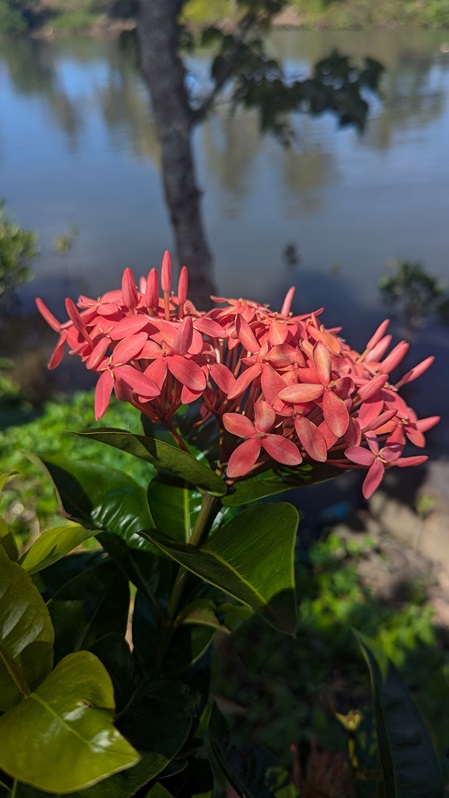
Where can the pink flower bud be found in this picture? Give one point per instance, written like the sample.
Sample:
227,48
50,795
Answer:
166,273
129,290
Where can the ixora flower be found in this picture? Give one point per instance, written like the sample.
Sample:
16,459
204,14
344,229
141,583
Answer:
285,390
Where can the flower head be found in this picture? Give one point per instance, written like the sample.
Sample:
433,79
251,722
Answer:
285,389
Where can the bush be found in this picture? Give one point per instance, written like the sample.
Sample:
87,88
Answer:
12,22
18,247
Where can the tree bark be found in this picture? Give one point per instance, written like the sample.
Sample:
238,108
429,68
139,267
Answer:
164,73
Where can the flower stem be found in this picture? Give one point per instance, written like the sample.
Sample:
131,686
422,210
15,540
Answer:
206,515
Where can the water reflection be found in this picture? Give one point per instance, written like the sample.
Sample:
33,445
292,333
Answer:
78,147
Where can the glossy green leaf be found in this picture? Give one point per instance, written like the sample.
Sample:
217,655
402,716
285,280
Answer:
284,479
409,765
52,545
61,737
253,773
174,506
252,490
8,542
157,722
188,644
100,497
26,631
114,652
251,558
89,606
202,611
164,456
143,567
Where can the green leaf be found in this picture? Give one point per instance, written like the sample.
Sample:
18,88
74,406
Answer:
8,542
26,632
100,497
157,722
61,737
52,545
251,558
187,645
162,455
201,611
158,791
253,489
89,606
5,476
174,506
142,567
410,767
113,651
253,773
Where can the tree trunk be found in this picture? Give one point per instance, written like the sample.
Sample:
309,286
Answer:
164,73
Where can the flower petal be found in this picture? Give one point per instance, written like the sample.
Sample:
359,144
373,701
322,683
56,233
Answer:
311,439
373,479
187,372
103,391
322,362
239,425
264,416
128,348
282,450
335,413
360,455
301,393
243,458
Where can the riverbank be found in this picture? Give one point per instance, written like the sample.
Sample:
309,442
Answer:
52,18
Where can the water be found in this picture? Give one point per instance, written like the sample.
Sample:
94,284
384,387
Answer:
78,148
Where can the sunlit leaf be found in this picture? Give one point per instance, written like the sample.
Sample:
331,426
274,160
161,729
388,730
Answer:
100,497
52,545
69,716
250,558
409,765
26,631
162,455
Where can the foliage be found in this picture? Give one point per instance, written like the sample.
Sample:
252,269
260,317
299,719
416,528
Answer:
29,499
18,247
12,22
179,561
412,293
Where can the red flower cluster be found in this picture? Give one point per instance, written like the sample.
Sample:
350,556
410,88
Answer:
287,387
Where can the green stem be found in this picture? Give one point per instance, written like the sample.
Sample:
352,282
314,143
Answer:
206,515
14,788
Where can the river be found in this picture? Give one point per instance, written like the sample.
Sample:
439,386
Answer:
78,150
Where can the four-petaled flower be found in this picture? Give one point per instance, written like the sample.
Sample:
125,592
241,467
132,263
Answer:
258,436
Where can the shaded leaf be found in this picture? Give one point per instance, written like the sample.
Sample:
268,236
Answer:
162,455
114,652
149,572
250,558
409,765
70,714
5,476
201,611
52,545
254,773
187,645
8,542
26,631
89,606
174,506
100,497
